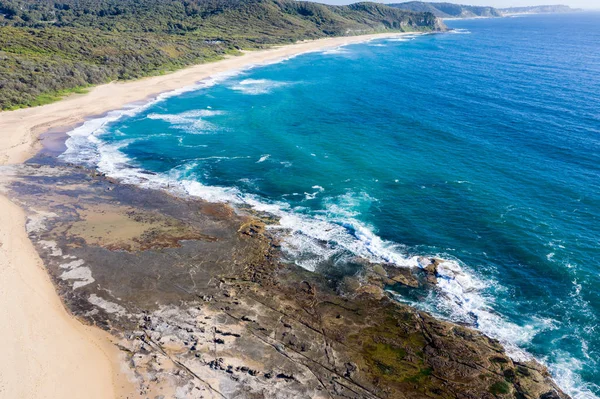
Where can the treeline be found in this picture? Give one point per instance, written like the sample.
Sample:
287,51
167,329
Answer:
51,47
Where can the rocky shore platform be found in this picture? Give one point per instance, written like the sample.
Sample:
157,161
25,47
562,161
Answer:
201,305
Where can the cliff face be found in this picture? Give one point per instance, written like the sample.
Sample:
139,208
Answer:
201,305
448,10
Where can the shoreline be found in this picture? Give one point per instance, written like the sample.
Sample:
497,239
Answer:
24,126
46,343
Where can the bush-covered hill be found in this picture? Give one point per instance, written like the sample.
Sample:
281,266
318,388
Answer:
448,10
51,47
552,9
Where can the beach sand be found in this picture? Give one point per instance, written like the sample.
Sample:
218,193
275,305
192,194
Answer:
47,353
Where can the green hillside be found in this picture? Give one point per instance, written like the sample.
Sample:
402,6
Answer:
551,9
448,10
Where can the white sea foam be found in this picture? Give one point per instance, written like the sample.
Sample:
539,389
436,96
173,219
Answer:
257,86
263,158
335,51
336,235
82,144
460,31
565,372
191,121
464,299
314,194
403,38
212,193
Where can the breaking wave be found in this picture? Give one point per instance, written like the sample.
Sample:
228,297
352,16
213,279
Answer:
334,235
257,86
191,121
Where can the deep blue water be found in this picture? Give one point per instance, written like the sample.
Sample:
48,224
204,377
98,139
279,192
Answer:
480,146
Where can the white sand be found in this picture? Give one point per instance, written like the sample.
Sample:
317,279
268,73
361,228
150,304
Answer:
46,353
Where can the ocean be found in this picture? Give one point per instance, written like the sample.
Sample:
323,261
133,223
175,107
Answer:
480,146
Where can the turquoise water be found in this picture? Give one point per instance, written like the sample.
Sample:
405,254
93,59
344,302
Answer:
481,146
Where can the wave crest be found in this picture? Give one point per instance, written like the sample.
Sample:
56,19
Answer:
257,86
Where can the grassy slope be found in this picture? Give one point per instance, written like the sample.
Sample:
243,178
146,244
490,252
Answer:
50,48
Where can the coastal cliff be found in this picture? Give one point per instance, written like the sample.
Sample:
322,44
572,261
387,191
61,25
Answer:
202,306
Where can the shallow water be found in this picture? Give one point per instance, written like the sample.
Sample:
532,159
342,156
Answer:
481,146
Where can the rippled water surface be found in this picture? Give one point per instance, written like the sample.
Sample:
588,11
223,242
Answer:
481,146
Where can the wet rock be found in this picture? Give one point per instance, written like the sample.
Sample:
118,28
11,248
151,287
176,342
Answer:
375,291
252,228
200,315
550,395
349,285
400,275
430,267
379,270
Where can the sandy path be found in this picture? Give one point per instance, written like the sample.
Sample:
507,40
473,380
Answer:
46,353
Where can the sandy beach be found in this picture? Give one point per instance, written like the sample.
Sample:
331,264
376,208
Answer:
47,352
21,128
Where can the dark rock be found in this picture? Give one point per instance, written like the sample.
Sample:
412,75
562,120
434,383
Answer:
285,376
351,368
550,395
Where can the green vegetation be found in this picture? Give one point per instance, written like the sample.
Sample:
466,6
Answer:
47,98
49,48
451,10
392,357
448,10
553,9
500,388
